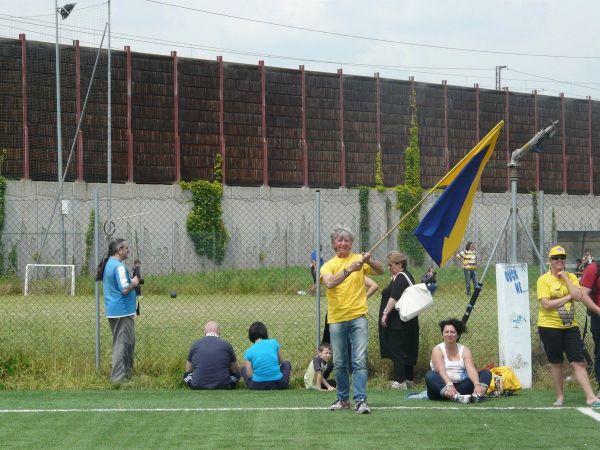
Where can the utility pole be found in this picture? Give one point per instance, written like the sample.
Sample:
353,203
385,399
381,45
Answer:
498,77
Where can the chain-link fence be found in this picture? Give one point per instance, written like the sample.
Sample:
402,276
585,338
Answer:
264,276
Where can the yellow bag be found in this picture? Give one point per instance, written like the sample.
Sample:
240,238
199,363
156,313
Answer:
504,381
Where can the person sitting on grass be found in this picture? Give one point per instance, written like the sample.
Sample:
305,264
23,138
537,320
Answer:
211,362
264,367
453,375
319,369
429,279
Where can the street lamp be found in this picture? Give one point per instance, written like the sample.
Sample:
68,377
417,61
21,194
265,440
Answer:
498,76
534,145
64,12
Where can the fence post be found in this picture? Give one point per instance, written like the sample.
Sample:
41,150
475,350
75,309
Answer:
97,283
25,106
318,268
541,218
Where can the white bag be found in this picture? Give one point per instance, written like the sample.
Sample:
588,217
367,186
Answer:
415,299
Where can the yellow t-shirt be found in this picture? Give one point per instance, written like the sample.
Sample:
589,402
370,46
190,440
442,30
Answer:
549,286
348,300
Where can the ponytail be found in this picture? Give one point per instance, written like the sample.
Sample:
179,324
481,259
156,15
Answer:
113,247
100,272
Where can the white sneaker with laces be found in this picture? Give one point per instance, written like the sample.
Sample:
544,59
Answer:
461,398
362,407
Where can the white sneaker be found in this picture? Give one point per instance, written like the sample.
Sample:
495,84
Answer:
397,385
461,398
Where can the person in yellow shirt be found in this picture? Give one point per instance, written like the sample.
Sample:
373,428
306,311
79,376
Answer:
469,259
557,326
344,277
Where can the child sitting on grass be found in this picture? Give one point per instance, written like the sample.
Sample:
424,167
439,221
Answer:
319,369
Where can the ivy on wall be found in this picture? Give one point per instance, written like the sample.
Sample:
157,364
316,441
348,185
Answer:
89,242
410,193
204,223
364,232
218,168
535,223
379,186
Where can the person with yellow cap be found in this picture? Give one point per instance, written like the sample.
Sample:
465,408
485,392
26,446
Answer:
558,327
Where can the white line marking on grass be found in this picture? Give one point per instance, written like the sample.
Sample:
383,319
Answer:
292,408
590,412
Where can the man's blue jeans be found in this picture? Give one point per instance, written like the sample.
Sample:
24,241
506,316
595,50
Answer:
470,275
356,333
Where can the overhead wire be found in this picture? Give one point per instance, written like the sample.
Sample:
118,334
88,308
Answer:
369,38
394,68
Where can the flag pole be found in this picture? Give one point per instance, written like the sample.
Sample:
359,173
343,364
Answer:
378,243
458,166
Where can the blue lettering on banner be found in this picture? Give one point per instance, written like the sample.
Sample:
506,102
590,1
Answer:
512,276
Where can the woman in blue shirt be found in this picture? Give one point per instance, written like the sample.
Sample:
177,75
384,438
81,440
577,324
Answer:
264,367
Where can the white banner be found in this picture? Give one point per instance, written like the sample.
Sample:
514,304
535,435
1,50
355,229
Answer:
514,325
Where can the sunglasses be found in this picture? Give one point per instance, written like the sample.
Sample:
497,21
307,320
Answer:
560,257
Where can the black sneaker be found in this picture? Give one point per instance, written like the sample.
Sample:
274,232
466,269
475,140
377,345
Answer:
339,404
476,398
362,407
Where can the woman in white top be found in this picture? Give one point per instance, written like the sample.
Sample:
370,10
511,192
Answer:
453,375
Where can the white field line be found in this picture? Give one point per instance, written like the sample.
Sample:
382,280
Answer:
587,411
590,412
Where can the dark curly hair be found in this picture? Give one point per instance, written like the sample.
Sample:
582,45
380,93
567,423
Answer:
458,325
257,330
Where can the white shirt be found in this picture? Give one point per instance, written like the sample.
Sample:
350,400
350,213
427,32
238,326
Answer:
456,370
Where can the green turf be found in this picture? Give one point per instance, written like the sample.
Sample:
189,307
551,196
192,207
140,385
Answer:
420,424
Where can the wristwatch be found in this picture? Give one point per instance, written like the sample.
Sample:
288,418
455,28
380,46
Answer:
346,273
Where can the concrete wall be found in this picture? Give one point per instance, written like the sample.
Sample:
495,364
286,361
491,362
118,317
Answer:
267,226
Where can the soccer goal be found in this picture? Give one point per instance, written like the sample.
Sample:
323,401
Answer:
49,279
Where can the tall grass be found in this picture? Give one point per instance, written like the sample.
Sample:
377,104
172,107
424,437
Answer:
48,340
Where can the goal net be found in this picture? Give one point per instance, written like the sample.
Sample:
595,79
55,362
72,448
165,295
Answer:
43,279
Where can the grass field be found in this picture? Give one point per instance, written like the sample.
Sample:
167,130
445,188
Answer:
288,419
48,341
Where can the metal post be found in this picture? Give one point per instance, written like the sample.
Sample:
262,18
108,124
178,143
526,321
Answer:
97,284
318,268
109,130
541,216
514,178
59,161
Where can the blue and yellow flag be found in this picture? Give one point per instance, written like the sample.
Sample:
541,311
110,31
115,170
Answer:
443,227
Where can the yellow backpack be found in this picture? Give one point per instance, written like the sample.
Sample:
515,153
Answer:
504,382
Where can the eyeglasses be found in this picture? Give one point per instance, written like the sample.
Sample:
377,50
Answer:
559,257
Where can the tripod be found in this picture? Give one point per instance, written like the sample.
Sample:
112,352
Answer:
533,145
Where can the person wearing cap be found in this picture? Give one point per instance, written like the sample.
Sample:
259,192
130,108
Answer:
558,327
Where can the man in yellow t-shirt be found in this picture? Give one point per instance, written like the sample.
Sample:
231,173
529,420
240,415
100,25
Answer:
344,277
557,291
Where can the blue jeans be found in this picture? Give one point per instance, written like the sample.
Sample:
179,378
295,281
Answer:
470,275
353,334
283,383
432,287
435,384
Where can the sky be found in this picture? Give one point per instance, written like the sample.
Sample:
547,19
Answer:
546,45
